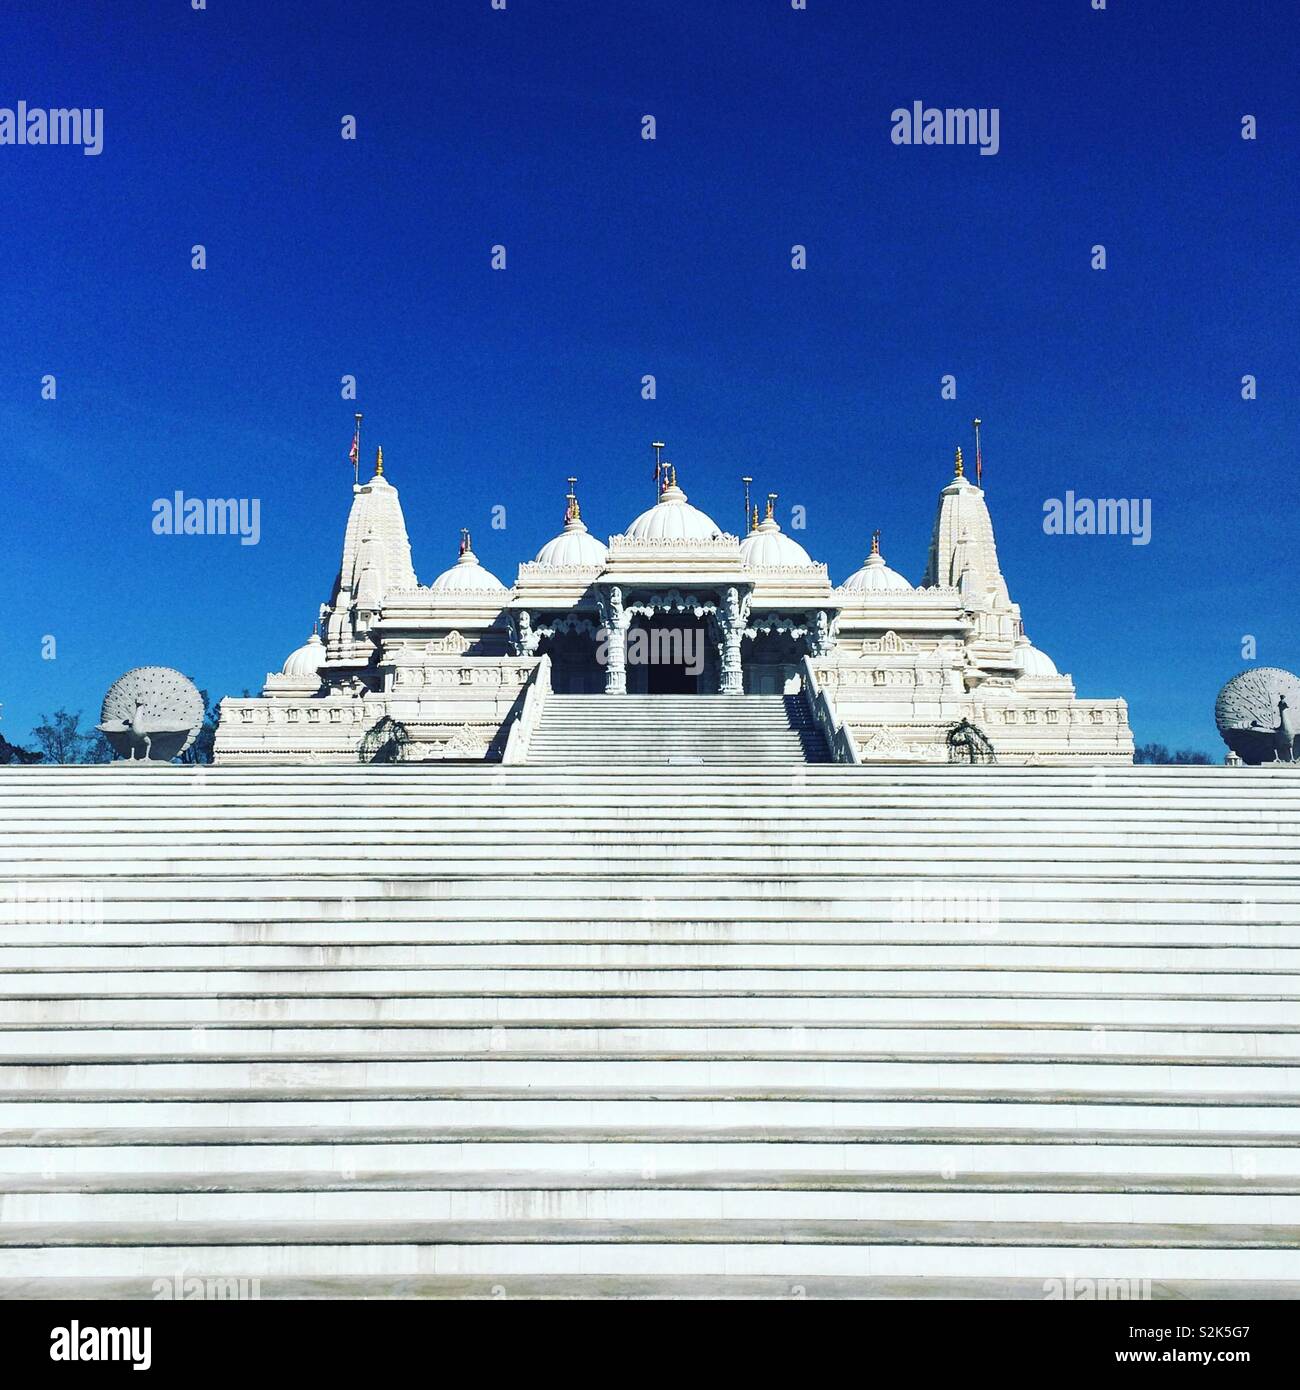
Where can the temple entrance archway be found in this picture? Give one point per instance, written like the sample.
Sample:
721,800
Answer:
671,654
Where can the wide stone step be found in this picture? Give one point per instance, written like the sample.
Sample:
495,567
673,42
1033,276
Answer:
54,1016
667,857
428,1203
52,1120
96,919
309,1183
665,1039
640,1286
1105,1249
1075,1081
107,965
235,828
344,1154
611,982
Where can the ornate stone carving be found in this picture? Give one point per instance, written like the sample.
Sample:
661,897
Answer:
732,620
466,742
615,619
891,644
883,745
1258,715
151,714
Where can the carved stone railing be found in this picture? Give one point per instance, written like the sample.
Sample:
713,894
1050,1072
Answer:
838,738
522,720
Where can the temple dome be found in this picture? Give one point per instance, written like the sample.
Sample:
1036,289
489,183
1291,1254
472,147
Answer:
673,518
305,660
575,545
875,577
467,576
1034,663
767,545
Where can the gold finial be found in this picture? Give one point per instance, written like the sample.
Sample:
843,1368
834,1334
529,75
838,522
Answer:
379,462
572,512
875,541
961,467
465,546
771,503
753,523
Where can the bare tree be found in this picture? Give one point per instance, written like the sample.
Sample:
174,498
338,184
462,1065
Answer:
62,740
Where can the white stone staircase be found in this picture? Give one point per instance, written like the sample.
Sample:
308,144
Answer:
649,1031
660,730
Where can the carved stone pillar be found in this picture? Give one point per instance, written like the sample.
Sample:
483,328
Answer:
616,622
731,621
615,662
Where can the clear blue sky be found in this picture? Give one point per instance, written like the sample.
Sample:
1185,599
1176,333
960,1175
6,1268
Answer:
628,257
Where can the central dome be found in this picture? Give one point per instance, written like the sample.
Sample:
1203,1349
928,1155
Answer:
767,545
467,576
575,545
875,577
673,518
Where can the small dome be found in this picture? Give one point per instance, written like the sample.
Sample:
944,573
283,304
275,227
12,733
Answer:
305,660
875,577
1034,663
767,544
575,545
467,576
673,518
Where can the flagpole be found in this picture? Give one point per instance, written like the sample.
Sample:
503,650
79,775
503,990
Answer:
658,446
356,453
979,458
744,530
